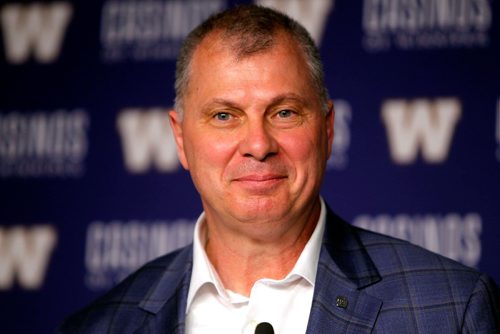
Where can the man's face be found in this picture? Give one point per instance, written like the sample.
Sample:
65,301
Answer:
253,135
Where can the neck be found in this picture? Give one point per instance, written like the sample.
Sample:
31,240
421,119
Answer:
241,260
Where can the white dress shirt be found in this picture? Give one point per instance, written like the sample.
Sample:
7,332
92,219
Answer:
285,303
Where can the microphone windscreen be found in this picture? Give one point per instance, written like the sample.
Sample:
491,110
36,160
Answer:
264,328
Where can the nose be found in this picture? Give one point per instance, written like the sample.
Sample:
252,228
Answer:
258,142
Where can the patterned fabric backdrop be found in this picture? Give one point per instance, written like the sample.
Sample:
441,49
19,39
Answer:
90,183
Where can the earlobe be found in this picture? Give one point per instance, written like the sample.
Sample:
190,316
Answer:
176,125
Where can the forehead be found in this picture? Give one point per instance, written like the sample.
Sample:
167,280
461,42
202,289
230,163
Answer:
218,59
218,46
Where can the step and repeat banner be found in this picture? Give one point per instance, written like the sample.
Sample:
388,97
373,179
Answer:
90,183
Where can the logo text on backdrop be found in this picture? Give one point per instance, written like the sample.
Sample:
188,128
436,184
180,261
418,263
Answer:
426,24
147,140
339,159
453,235
312,14
37,29
150,30
25,253
420,125
115,249
43,144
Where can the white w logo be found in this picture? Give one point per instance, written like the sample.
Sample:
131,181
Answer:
312,14
37,28
25,252
420,125
147,140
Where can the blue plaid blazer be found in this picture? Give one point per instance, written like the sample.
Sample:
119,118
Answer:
366,283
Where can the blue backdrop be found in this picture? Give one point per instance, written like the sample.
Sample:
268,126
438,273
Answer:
90,184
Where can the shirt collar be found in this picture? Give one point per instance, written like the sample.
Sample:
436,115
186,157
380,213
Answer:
204,273
307,263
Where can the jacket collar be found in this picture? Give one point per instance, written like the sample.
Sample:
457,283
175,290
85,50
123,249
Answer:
344,269
339,302
166,300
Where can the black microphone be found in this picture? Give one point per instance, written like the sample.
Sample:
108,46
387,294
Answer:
264,328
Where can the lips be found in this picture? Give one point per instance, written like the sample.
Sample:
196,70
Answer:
260,177
259,184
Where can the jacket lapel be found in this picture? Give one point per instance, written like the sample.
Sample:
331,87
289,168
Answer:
166,301
344,269
339,302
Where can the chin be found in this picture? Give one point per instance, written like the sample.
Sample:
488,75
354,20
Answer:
263,212
259,202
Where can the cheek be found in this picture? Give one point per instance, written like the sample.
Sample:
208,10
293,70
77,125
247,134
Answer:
306,152
301,149
208,154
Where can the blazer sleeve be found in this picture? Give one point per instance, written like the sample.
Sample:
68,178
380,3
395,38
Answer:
482,314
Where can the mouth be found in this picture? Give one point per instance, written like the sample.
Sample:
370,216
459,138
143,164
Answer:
259,183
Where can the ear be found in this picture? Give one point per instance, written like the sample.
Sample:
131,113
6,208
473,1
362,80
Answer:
176,125
330,121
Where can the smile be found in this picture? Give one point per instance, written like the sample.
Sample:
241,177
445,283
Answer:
259,182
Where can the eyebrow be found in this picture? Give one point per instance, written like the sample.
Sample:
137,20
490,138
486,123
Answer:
274,101
288,97
220,101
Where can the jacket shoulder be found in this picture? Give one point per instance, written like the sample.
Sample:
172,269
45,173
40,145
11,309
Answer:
392,255
121,305
421,289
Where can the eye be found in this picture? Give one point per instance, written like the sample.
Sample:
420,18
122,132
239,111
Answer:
285,113
287,117
223,116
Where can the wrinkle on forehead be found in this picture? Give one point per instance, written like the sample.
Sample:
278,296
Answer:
244,46
214,57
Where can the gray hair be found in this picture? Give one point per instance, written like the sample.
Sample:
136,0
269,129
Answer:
249,29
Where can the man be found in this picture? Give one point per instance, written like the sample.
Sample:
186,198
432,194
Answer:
254,127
